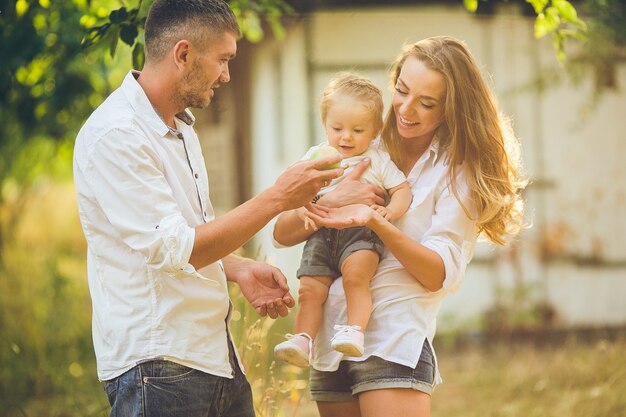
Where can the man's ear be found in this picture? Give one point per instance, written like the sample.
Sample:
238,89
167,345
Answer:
181,53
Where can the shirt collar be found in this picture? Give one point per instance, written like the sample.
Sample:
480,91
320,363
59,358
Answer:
143,107
435,149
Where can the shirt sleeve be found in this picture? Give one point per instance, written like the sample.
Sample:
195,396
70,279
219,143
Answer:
452,234
126,177
391,176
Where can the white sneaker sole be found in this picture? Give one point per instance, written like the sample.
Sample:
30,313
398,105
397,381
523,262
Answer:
348,349
292,355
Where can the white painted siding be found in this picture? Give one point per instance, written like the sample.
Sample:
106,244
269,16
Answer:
573,155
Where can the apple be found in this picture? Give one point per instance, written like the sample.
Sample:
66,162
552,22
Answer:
326,151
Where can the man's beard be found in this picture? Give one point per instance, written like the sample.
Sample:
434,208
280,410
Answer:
189,92
194,100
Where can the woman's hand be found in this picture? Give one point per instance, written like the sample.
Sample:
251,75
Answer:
343,217
352,191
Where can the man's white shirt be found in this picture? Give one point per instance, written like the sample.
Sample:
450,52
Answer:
142,189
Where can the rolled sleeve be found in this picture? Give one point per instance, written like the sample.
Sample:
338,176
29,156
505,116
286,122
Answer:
452,234
124,174
172,250
455,259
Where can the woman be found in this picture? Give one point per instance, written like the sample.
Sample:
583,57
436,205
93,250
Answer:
444,132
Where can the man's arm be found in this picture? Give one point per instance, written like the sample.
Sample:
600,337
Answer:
295,187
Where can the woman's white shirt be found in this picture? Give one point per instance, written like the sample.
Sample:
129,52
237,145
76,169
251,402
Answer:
404,313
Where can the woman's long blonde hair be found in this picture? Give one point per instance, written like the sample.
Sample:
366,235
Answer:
473,134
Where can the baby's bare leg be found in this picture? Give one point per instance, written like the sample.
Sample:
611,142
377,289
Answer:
312,295
357,271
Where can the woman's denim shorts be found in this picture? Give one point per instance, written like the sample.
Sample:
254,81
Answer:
373,373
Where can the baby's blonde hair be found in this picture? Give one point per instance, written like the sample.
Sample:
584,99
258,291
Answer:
360,88
473,133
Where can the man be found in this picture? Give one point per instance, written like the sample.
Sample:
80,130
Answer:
158,259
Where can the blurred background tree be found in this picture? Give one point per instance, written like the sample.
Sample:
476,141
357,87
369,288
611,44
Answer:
48,86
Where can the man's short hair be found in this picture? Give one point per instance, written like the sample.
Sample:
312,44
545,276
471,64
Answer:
199,21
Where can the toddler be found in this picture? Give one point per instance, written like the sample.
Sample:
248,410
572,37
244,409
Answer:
351,111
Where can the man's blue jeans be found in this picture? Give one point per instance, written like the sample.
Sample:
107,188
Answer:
160,388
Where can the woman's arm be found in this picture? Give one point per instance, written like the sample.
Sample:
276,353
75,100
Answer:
421,262
438,258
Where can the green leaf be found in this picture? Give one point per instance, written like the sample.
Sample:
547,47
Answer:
547,22
581,24
251,27
566,10
277,27
114,34
139,56
553,18
557,42
471,5
128,33
94,34
538,5
119,15
541,26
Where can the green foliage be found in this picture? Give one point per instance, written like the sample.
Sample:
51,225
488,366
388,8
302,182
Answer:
471,5
598,59
123,25
606,48
250,13
127,25
48,83
557,18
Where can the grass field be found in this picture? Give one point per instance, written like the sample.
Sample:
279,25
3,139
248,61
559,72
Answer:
569,378
566,379
47,364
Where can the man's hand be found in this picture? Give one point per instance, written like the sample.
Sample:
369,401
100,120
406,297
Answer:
352,191
263,285
301,181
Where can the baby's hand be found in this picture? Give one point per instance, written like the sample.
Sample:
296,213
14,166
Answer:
310,224
383,211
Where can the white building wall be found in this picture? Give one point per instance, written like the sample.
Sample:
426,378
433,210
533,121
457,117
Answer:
573,155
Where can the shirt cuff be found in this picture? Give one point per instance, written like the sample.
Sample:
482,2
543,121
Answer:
177,239
455,260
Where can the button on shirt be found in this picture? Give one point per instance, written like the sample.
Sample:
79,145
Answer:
404,313
142,189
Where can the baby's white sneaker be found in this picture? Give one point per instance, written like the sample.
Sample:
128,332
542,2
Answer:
348,340
296,350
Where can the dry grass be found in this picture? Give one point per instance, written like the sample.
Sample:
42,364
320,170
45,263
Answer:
47,364
572,379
